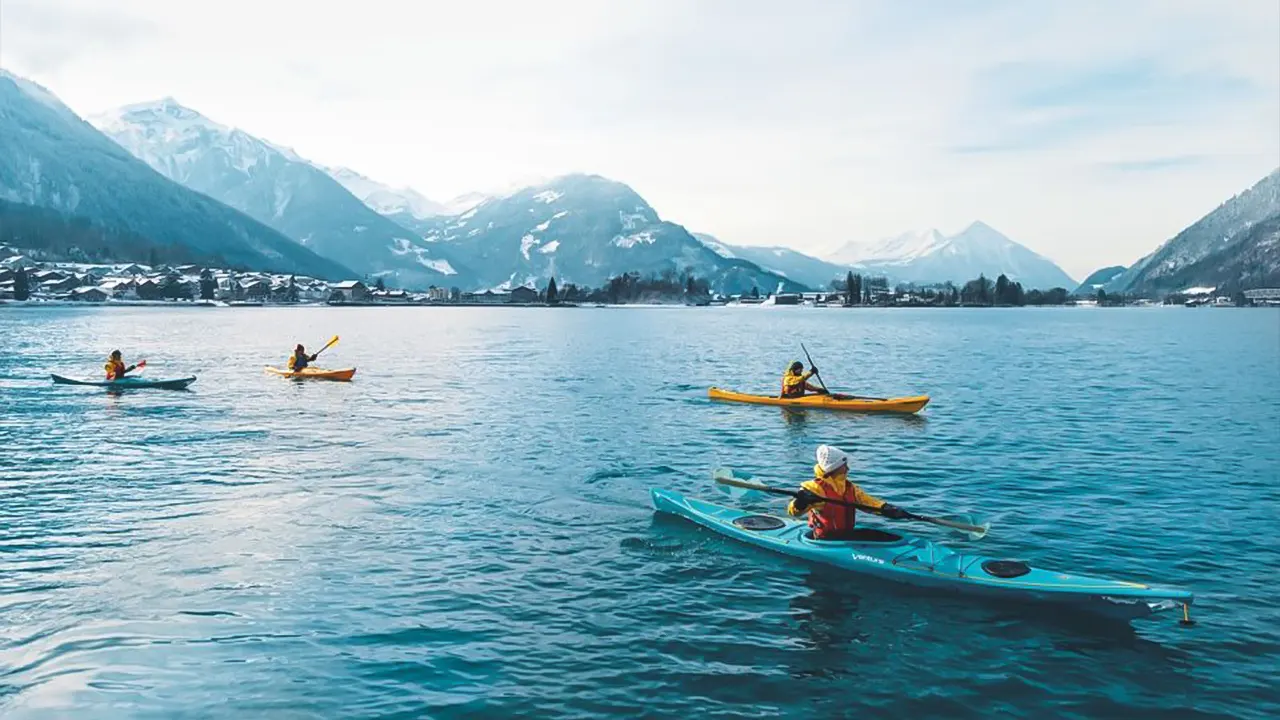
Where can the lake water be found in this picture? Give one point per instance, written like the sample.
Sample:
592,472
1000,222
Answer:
465,530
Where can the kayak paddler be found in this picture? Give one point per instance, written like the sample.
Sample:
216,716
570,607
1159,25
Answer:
831,480
115,366
300,359
795,381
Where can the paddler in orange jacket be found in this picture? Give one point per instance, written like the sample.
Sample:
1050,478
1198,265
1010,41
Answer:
828,520
115,367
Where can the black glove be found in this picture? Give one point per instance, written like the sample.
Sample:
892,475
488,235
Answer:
813,370
893,512
805,499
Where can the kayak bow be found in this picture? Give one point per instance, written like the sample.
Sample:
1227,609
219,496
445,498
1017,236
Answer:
834,401
917,561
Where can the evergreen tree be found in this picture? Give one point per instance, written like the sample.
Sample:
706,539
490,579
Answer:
1002,290
850,290
553,295
21,285
1101,297
291,293
173,289
755,291
380,286
208,286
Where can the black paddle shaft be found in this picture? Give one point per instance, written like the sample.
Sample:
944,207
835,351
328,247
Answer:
816,374
793,493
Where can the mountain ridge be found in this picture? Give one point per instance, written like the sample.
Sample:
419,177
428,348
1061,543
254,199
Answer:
584,229
930,257
1215,233
276,186
55,160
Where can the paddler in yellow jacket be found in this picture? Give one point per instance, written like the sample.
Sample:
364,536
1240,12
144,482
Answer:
795,381
828,520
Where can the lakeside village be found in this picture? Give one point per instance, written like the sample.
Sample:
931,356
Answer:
22,279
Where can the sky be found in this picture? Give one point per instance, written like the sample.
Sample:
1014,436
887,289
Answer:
1089,131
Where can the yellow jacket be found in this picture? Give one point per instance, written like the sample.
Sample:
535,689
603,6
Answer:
793,384
837,486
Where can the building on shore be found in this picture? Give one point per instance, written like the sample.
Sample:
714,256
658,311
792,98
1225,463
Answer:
349,291
524,295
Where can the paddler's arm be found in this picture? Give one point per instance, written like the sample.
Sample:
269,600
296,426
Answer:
807,499
862,497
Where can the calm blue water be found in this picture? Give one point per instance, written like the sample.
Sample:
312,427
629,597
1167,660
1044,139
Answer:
464,531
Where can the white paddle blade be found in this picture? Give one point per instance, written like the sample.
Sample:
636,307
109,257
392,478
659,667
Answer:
736,493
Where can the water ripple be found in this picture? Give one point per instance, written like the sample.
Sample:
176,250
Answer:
464,531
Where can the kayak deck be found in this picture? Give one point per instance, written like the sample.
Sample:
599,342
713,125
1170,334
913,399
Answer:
835,401
127,382
917,561
340,375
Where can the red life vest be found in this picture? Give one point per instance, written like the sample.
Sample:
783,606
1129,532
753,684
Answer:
830,521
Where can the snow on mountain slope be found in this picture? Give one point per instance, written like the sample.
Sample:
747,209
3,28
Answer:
275,186
805,269
52,159
583,229
385,199
1211,234
928,256
898,249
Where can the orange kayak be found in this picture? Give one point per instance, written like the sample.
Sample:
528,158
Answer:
314,373
834,401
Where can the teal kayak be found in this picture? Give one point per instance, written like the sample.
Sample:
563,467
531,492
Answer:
128,382
917,561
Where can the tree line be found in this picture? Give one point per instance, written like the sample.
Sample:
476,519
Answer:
981,291
632,287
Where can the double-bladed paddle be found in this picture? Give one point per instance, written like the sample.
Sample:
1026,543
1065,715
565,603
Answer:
962,523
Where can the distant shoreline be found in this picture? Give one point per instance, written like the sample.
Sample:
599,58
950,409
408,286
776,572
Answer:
219,305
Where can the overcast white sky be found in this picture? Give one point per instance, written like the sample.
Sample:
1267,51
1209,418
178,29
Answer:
1089,131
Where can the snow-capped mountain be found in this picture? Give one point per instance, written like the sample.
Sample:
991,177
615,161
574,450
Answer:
804,269
583,229
275,186
899,249
928,256
1216,232
50,158
387,200
1249,259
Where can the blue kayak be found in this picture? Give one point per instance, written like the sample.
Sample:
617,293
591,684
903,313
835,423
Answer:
917,561
128,382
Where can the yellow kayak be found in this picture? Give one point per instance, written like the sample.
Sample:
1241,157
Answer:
834,401
314,373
